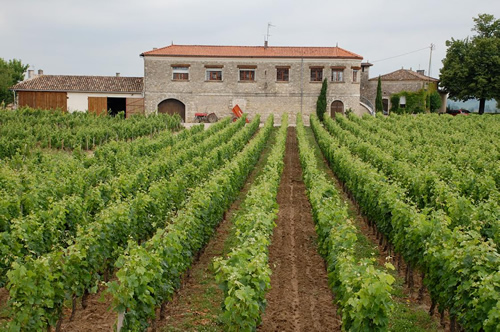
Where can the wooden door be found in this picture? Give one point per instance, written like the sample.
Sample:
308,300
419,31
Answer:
385,105
43,100
134,106
337,107
173,106
98,105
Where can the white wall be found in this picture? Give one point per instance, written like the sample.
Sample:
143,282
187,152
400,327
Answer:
78,101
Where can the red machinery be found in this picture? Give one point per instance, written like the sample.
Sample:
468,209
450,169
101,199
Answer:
238,113
205,117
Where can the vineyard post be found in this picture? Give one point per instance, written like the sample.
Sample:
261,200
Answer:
119,323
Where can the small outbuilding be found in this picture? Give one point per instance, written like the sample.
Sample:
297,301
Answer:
97,94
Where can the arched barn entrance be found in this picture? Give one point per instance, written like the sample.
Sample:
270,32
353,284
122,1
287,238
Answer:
337,107
173,106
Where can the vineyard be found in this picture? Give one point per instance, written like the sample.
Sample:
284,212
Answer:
360,224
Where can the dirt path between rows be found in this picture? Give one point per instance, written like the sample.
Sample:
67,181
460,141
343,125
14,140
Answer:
299,299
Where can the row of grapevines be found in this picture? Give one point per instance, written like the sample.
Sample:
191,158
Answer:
78,269
426,188
30,185
149,274
461,270
24,129
44,231
244,274
426,156
362,292
456,131
456,159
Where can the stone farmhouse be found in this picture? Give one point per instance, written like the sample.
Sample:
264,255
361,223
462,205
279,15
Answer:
189,79
395,82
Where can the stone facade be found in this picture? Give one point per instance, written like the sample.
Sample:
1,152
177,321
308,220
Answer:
395,82
265,95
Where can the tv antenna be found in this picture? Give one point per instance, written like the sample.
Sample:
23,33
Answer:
269,25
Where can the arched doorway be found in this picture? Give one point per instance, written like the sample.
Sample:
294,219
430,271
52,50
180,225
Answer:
173,106
337,107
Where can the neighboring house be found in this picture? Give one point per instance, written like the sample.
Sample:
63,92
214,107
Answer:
97,94
395,82
189,79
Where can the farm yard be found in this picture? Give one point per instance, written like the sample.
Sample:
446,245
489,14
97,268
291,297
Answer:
353,223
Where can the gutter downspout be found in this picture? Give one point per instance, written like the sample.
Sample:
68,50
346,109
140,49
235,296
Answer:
301,81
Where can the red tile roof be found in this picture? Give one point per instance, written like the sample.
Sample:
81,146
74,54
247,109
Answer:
81,84
405,75
252,52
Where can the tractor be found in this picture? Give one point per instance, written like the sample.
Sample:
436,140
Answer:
205,117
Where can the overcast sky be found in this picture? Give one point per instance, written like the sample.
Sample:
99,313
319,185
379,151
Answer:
102,37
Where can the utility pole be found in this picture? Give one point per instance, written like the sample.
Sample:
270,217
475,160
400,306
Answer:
430,58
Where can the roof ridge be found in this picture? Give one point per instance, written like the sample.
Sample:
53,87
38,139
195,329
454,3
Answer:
253,51
409,72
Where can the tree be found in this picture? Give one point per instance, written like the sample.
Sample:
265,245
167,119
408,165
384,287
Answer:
11,72
379,106
321,103
471,68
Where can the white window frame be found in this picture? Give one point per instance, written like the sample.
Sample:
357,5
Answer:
337,75
211,70
180,70
355,73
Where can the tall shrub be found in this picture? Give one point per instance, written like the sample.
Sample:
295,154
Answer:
379,106
435,101
321,103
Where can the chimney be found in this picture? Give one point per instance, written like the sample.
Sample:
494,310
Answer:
40,72
31,73
117,74
265,43
421,71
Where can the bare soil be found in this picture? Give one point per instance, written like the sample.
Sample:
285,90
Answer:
299,299
97,316
4,297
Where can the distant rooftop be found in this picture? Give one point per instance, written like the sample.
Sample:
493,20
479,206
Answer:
253,52
81,84
405,75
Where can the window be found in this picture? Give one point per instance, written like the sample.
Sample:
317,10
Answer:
180,73
316,74
402,102
337,75
214,74
355,75
247,74
282,74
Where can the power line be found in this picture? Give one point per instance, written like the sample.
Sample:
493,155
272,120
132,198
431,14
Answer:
397,56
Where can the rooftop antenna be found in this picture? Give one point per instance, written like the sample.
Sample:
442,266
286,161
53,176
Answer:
266,41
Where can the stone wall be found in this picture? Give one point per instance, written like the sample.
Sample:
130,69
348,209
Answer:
265,95
369,90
